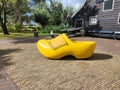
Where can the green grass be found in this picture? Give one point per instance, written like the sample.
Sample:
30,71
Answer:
16,35
22,35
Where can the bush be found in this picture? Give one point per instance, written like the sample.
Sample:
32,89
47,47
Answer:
35,27
0,29
31,28
55,28
11,28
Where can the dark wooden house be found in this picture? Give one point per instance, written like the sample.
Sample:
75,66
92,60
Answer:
101,16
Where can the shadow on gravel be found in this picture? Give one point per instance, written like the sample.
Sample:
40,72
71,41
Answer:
99,56
5,58
28,40
96,56
25,40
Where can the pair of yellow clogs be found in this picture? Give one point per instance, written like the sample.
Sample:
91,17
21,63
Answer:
61,46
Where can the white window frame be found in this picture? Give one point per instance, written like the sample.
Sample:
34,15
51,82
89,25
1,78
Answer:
95,21
119,18
108,9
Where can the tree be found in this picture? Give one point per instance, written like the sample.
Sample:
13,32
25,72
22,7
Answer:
42,17
68,12
3,15
37,1
56,10
21,9
33,3
40,13
13,9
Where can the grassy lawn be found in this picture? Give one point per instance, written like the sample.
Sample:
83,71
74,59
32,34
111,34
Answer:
16,35
22,35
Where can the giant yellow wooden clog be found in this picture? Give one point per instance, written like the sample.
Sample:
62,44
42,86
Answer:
61,46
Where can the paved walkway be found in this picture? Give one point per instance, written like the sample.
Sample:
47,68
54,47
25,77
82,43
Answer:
107,45
5,82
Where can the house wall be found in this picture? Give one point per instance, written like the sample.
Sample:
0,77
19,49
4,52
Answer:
108,20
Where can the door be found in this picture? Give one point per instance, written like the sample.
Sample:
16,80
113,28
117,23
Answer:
78,23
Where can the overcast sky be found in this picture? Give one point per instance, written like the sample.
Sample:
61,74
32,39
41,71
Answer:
75,3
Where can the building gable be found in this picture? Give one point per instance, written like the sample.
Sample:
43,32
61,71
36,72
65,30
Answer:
107,20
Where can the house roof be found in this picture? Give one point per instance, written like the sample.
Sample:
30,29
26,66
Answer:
78,9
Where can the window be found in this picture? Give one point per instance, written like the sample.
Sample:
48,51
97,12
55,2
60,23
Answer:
108,5
93,20
119,18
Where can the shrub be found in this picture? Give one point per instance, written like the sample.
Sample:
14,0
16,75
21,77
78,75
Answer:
55,28
11,28
0,29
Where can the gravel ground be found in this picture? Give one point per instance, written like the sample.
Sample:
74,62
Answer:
32,71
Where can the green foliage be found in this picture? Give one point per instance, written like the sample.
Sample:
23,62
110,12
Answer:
11,12
35,28
0,29
42,17
55,28
11,28
54,14
55,10
40,13
69,10
37,1
51,17
16,35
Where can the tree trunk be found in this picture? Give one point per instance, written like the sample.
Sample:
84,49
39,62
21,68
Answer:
4,28
3,19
